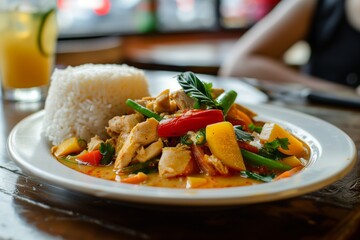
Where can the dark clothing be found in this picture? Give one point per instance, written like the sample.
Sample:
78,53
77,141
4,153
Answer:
335,45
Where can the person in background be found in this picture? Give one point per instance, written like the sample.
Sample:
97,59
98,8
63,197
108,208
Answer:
330,27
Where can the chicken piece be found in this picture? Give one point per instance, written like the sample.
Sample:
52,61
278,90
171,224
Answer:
153,150
94,143
111,141
143,133
175,161
144,101
120,140
210,165
150,105
120,127
163,103
182,100
202,161
124,124
217,164
147,102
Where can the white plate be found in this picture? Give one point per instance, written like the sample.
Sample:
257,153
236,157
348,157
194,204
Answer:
333,155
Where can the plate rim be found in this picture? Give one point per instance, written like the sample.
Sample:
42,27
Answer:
183,197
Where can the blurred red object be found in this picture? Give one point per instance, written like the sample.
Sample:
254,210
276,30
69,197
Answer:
264,7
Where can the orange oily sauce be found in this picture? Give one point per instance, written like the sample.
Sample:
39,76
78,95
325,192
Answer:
154,180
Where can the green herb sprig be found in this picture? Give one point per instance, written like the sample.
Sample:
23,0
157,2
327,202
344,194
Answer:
197,90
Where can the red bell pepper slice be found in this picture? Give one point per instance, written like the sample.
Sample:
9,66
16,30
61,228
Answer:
247,146
191,120
93,158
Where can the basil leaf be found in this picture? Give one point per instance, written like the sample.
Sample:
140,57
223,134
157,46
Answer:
108,152
241,135
196,89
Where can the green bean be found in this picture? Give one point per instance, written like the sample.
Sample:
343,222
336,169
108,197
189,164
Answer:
226,99
263,161
143,110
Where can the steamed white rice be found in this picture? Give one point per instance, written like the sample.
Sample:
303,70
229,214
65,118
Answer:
82,99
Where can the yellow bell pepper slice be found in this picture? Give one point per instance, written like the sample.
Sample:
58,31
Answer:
222,142
272,131
195,182
292,161
68,146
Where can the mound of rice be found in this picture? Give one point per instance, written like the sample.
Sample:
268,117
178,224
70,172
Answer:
83,99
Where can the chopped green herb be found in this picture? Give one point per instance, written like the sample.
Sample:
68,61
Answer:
200,138
186,140
241,135
270,149
278,142
108,152
252,175
145,167
255,128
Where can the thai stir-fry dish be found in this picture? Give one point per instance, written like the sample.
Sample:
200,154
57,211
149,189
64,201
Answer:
194,137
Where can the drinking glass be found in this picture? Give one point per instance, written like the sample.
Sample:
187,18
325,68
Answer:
28,34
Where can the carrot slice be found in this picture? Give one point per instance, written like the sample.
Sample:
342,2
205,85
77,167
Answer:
288,173
236,114
135,179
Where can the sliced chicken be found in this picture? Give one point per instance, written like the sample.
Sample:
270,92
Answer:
210,165
94,143
217,164
120,127
163,104
175,161
147,102
144,101
153,150
123,124
182,100
142,134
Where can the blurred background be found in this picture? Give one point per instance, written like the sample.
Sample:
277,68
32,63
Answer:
156,34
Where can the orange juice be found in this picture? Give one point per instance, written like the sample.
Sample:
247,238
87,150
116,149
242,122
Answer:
27,47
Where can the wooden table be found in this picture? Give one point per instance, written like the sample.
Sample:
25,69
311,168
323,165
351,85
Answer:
34,209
